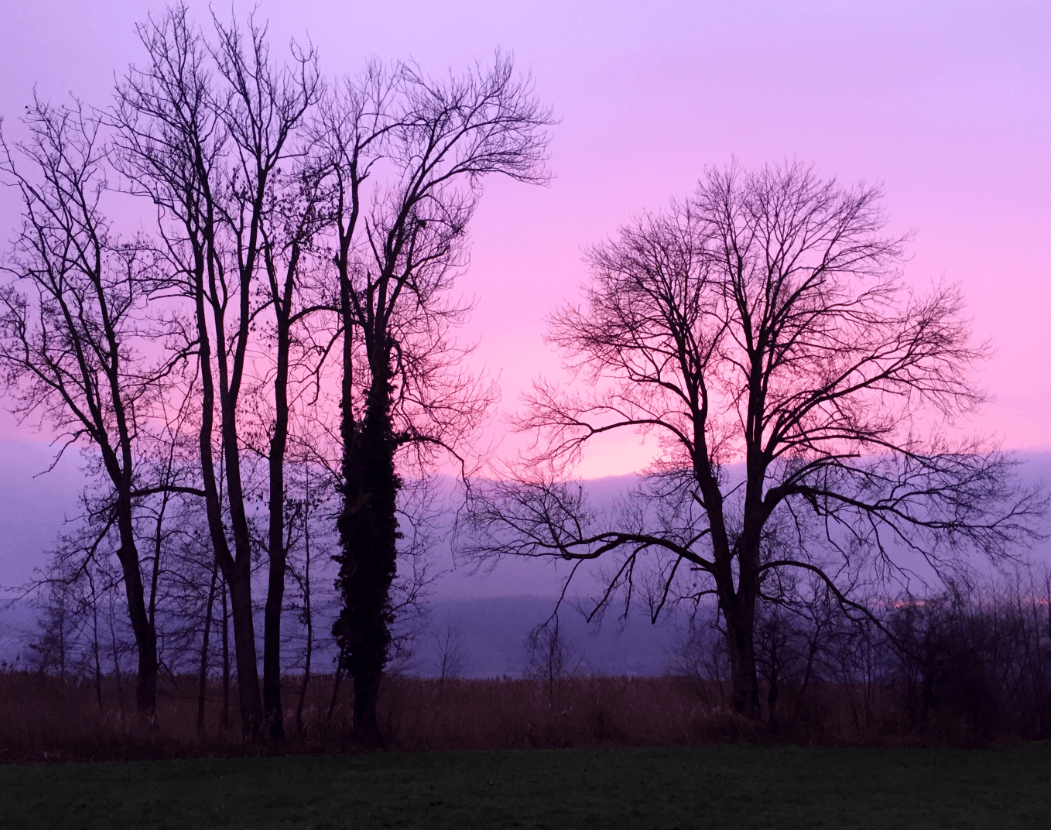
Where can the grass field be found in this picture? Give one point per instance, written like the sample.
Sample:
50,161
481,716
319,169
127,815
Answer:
725,786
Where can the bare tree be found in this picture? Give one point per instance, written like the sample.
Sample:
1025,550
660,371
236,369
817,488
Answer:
397,247
550,657
450,659
765,321
251,181
294,217
74,335
203,129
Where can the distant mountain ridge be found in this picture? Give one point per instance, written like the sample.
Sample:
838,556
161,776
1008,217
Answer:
486,637
34,504
495,607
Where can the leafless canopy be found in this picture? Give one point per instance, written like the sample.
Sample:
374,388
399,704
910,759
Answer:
765,320
400,241
74,332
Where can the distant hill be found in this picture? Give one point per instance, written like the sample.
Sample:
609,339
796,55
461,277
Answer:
544,576
493,633
34,504
495,607
488,639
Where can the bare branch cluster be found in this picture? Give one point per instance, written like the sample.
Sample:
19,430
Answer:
292,300
762,323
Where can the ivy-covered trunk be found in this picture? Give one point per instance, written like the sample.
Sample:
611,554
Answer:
368,528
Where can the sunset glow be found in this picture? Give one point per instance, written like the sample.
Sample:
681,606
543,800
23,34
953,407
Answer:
948,106
358,361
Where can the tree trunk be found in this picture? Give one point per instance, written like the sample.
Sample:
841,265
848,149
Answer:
145,636
144,632
308,613
305,682
236,568
275,595
743,676
238,581
96,647
202,680
239,577
224,720
368,530
272,710
738,609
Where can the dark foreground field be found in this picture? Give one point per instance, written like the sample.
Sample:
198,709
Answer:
580,752
726,786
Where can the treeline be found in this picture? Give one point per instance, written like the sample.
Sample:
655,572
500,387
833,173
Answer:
83,634
259,363
972,662
262,375
965,667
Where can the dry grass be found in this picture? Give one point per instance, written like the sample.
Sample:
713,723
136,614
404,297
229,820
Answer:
575,712
43,719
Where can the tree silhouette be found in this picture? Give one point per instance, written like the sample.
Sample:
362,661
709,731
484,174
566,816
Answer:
202,129
269,252
764,320
396,249
73,331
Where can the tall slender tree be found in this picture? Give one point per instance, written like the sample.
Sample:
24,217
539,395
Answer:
397,247
203,129
73,329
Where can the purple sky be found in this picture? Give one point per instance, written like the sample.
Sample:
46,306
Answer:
947,103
